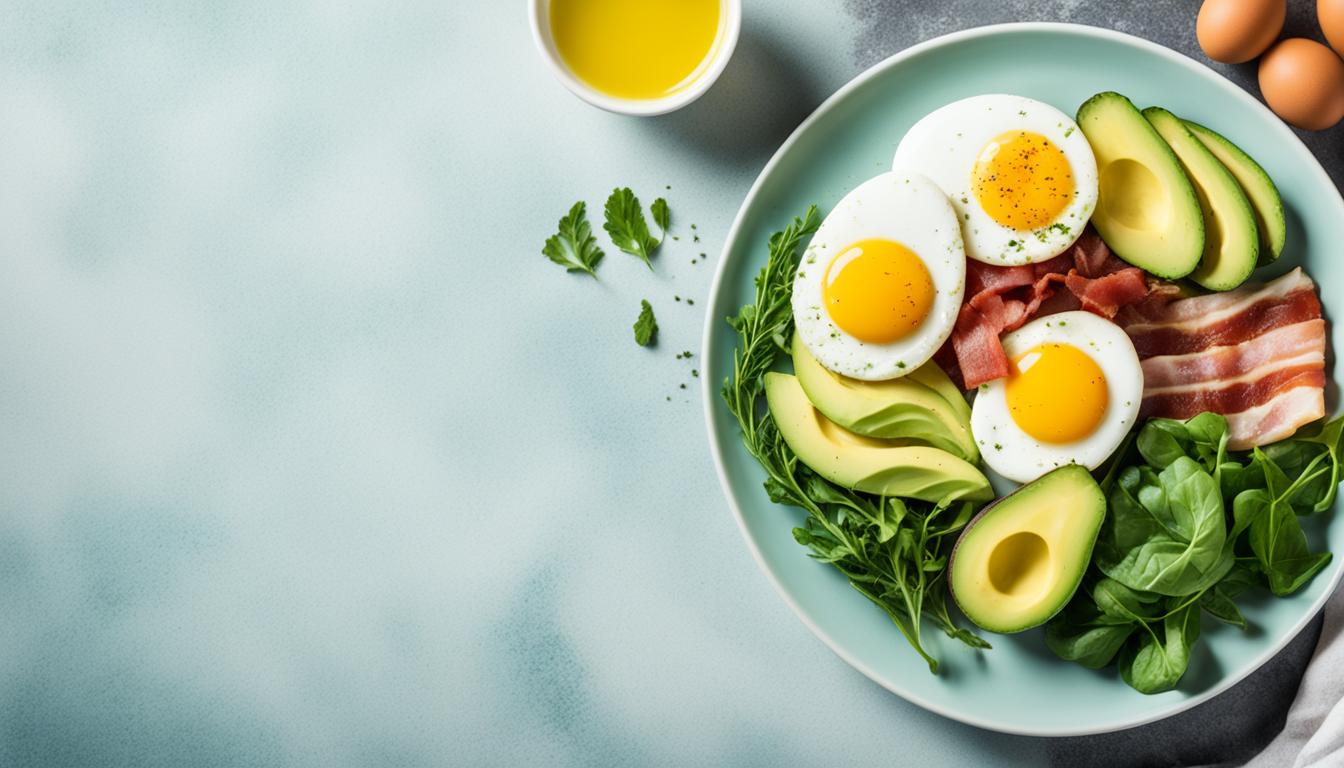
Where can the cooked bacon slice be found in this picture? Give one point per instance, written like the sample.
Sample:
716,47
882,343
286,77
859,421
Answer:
1231,397
1254,319
1255,355
1299,341
1002,299
1275,419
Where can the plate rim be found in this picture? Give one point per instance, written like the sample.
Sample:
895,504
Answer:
710,399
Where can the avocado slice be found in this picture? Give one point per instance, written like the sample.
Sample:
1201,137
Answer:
1259,188
935,378
1231,239
1020,559
895,408
1147,209
886,467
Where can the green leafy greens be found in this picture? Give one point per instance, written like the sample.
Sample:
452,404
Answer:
573,246
646,327
893,551
626,225
1170,551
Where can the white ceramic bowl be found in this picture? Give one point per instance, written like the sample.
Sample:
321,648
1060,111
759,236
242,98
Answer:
730,24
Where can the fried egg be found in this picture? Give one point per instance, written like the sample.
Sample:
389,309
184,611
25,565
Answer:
878,289
1019,173
1072,396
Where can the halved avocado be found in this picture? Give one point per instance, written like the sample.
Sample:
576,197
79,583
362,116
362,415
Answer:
886,467
1259,189
1020,559
1231,239
1147,210
895,408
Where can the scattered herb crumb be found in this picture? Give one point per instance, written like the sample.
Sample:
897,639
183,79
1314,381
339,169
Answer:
998,446
686,355
676,298
690,301
683,386
573,246
695,372
646,327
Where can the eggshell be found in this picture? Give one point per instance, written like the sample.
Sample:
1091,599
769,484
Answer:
1233,31
1331,15
1303,82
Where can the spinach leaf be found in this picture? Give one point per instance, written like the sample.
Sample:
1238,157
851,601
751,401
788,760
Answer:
1083,634
1220,600
1155,660
1119,601
1317,443
1275,535
1165,533
1204,437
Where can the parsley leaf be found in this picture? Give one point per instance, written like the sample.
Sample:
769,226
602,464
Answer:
574,246
627,226
645,326
661,216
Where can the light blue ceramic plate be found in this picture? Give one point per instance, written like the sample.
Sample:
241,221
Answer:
1019,686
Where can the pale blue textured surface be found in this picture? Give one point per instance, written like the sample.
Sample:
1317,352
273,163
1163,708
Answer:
308,457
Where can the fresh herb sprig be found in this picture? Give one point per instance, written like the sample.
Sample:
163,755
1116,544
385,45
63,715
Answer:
573,246
629,230
893,551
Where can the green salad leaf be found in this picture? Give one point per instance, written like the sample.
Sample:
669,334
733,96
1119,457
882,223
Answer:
573,246
1164,532
893,551
1190,526
1161,654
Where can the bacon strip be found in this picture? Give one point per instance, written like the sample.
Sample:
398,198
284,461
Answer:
1255,355
1255,319
1305,340
1233,397
1276,419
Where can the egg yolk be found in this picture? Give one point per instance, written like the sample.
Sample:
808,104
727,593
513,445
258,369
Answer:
877,291
1057,393
1022,180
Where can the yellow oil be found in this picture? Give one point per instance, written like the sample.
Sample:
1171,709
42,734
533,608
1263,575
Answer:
635,49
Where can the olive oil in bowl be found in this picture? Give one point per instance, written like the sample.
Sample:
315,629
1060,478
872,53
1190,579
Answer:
637,50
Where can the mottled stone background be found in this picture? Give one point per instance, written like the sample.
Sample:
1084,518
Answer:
308,457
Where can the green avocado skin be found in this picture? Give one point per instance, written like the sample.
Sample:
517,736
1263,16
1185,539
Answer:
901,408
1059,516
1232,239
871,465
1258,186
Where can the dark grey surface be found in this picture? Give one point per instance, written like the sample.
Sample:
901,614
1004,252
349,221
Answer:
1234,726
887,26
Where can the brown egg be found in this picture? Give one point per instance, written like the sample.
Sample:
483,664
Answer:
1331,15
1233,31
1303,82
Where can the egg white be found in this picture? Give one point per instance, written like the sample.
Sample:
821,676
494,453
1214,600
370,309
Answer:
944,146
911,210
1017,455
